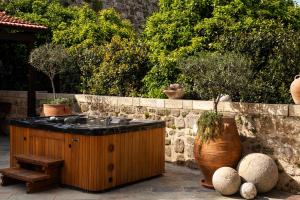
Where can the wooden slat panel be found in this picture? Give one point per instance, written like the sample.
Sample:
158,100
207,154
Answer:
136,156
46,143
18,143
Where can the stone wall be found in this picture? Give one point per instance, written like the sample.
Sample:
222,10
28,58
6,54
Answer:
272,129
135,10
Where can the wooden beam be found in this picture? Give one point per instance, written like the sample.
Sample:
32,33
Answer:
19,37
31,97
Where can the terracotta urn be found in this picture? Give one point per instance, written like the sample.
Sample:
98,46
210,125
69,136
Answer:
174,91
56,110
222,151
295,89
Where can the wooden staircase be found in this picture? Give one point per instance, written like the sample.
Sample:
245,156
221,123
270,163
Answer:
38,172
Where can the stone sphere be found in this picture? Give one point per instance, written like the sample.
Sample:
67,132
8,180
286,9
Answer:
226,180
259,169
248,191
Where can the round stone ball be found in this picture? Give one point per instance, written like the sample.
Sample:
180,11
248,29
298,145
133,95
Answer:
248,191
226,180
259,169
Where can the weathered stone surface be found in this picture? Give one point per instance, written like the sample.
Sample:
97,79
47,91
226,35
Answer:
179,123
179,146
248,191
189,151
187,104
173,103
190,140
175,112
180,159
180,134
171,131
259,169
167,141
226,180
168,151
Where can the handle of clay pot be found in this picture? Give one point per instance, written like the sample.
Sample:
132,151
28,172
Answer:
298,76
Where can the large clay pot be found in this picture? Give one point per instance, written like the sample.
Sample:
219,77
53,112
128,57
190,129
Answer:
56,110
295,89
222,151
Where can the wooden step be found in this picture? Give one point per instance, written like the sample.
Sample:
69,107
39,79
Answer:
24,174
39,160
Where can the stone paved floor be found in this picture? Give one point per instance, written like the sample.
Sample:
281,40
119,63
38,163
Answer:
177,183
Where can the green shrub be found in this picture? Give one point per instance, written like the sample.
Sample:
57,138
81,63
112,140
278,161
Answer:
166,32
264,31
124,65
89,28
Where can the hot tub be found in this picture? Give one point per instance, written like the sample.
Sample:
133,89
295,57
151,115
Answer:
98,154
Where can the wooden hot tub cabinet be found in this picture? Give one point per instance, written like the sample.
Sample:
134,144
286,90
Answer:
95,162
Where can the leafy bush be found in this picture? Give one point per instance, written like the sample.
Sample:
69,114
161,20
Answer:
89,28
214,74
166,32
123,67
84,60
261,30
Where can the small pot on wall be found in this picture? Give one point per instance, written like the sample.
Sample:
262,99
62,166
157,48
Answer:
56,110
174,91
224,150
295,89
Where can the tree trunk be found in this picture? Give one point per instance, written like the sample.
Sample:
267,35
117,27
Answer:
53,88
216,102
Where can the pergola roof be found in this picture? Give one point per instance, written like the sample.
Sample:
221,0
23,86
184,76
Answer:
9,21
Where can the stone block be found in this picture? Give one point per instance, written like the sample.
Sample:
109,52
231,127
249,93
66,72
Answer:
180,134
294,110
167,141
172,103
171,131
136,101
232,107
187,104
268,109
162,112
189,152
191,120
168,151
190,140
179,122
125,101
203,105
154,103
180,160
179,146
175,112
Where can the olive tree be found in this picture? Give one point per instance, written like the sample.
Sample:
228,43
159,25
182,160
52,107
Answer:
214,74
51,60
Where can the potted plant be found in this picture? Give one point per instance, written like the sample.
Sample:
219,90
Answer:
51,60
217,143
174,91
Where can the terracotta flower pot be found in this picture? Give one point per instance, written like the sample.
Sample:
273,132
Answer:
295,89
174,94
225,150
56,110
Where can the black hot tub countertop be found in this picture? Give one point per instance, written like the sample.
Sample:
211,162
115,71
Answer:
84,129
